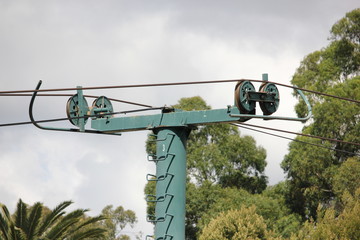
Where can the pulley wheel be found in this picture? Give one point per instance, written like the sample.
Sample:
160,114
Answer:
103,102
269,108
241,97
73,109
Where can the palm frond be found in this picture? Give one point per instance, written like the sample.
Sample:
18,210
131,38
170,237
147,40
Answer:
68,221
21,215
90,233
55,214
6,212
16,233
34,220
4,226
90,221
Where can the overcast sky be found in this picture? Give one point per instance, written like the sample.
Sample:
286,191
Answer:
95,43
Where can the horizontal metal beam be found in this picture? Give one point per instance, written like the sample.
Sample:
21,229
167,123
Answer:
168,119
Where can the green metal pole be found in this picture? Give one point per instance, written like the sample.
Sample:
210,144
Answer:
171,183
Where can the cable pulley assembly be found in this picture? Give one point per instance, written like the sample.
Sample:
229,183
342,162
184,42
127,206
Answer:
268,98
246,97
78,112
77,109
101,111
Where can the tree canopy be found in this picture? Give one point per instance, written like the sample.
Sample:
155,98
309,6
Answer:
333,70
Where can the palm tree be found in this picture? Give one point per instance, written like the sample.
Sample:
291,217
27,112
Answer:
38,223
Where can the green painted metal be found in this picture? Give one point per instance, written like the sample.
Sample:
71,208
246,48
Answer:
269,102
171,181
268,95
242,101
265,77
304,119
36,124
168,119
76,109
101,108
82,110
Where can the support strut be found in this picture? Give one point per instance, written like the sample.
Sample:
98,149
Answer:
170,187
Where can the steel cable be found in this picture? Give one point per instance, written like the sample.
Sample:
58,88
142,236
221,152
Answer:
70,95
86,116
3,93
296,140
300,134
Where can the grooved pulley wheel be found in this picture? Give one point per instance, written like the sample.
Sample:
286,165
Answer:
269,108
103,103
73,109
241,97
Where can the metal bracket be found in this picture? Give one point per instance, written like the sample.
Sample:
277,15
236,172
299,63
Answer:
261,96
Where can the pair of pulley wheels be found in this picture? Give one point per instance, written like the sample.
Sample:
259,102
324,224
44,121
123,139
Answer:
75,111
247,106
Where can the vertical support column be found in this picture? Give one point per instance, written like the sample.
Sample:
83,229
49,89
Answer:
171,184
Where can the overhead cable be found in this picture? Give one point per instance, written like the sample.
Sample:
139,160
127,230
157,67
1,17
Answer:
70,95
300,134
86,116
3,93
296,140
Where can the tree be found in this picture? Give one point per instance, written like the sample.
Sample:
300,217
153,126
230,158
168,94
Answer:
334,225
333,70
347,177
116,220
37,222
240,224
269,205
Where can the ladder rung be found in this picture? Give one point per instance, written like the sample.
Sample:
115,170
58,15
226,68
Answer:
152,177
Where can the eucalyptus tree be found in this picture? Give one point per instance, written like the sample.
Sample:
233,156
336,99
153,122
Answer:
334,70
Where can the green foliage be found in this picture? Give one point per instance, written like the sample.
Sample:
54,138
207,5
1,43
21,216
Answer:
37,222
271,207
192,104
116,220
309,169
346,33
313,172
199,200
240,224
347,177
333,225
218,154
